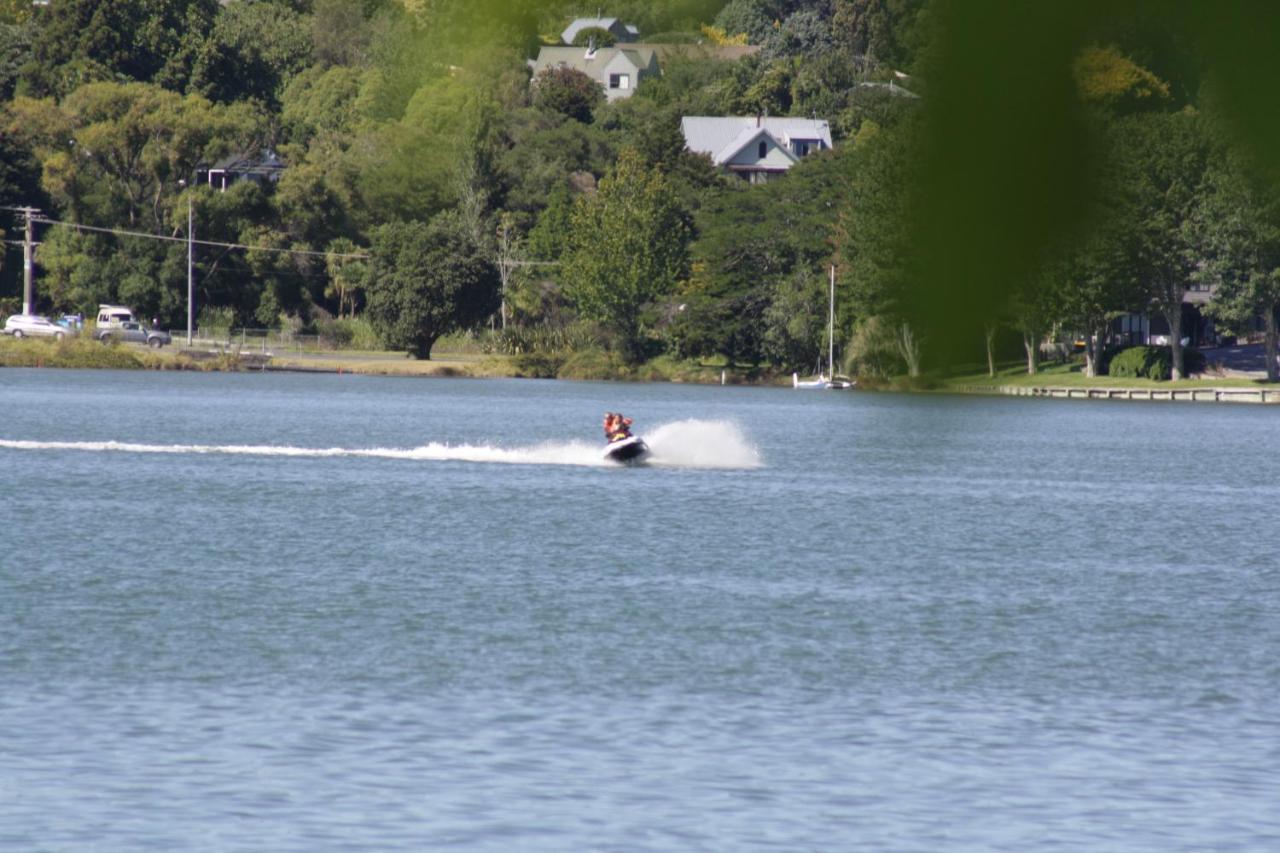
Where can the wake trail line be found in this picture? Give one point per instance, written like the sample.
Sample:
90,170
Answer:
684,444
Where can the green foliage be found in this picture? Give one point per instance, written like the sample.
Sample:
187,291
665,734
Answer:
627,247
342,32
1108,78
251,52
1142,363
1152,363
113,153
886,33
873,350
81,352
425,281
79,41
15,52
567,91
320,101
745,16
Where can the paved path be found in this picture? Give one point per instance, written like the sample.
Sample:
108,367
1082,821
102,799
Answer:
1240,360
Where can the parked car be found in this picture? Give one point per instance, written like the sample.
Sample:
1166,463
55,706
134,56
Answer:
35,326
134,333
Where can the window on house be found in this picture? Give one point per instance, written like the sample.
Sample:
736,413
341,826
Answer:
802,148
763,150
619,81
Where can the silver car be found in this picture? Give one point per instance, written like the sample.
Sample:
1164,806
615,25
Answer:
35,326
135,333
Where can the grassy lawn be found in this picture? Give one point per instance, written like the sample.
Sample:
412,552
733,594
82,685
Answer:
1072,376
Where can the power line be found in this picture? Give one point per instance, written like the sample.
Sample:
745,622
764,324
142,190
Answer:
119,232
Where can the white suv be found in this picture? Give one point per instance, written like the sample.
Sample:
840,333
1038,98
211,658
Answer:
35,326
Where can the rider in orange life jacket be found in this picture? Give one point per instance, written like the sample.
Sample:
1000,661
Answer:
616,427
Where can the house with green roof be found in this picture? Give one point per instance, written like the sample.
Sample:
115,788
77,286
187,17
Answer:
618,70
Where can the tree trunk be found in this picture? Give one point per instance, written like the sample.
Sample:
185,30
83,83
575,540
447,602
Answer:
1271,344
422,348
1093,347
909,348
1175,339
990,330
1031,343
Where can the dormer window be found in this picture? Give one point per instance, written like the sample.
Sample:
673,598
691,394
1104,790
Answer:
619,81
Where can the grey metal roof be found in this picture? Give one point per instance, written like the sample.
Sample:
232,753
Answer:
723,136
580,24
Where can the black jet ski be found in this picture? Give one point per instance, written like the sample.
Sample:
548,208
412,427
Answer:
628,449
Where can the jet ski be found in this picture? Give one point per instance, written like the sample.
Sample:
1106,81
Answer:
628,450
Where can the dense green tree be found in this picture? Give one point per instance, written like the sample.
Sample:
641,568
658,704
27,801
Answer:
1162,168
251,52
745,16
567,91
627,247
114,153
1241,218
542,151
885,33
760,248
883,280
15,52
342,32
1108,79
426,280
320,101
78,41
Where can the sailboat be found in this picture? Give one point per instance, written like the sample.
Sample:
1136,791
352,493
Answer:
826,381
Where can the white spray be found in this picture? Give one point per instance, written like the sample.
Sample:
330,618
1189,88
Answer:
683,444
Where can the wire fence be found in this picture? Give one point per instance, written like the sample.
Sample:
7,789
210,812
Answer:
261,340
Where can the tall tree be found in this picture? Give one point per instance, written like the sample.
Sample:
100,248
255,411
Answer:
426,280
252,51
883,279
78,41
1163,161
627,246
1242,222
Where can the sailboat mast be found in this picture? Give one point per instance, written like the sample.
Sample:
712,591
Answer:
831,325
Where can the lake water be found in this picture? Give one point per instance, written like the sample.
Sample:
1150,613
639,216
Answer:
298,612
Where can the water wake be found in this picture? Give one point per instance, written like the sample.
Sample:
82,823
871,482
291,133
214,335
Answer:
683,444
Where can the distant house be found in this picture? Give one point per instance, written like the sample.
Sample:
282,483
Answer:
755,148
618,70
621,32
263,167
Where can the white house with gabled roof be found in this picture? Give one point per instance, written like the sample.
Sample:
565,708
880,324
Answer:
755,148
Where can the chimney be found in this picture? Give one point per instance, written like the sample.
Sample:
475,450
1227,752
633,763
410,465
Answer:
591,47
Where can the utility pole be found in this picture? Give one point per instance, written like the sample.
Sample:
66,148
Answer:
191,279
191,248
28,260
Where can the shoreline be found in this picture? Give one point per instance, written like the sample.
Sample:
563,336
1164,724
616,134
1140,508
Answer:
1234,387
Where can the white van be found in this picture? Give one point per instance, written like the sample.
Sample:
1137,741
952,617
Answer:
112,316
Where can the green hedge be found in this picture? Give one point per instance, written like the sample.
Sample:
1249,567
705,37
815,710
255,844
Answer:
1154,363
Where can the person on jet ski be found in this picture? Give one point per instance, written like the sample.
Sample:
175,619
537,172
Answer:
616,427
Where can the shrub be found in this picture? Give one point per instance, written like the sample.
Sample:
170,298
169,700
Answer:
1142,363
1155,363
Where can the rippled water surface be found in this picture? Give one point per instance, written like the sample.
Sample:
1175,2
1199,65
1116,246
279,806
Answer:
286,612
